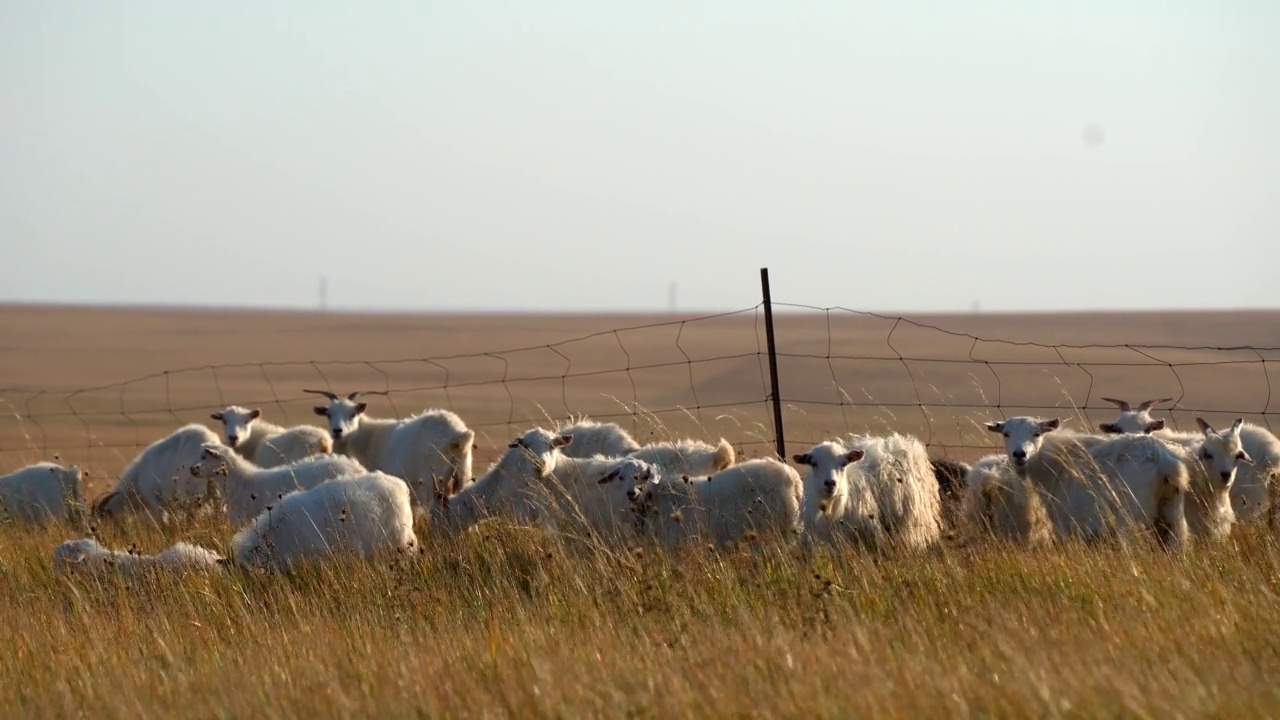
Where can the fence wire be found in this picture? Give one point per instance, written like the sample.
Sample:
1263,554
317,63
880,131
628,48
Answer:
840,371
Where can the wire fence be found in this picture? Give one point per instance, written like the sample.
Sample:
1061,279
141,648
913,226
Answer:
838,371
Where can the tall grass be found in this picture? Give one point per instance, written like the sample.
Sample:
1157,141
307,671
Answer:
508,621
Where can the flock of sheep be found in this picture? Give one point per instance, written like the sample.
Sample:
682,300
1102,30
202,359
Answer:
303,493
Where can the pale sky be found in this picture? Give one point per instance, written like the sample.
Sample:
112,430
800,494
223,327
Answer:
563,155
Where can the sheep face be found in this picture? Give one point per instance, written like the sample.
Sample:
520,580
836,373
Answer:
213,462
343,414
827,462
1222,453
69,480
1134,420
236,422
1023,436
543,448
634,475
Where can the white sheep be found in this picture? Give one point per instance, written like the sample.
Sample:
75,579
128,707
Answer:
159,480
1214,460
569,488
268,444
363,515
247,489
591,438
504,489
430,451
755,498
1254,484
686,458
42,493
1097,486
998,503
878,490
88,554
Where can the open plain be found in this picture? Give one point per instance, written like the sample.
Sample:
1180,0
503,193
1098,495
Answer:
509,621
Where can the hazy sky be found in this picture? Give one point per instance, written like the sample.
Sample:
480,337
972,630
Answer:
584,155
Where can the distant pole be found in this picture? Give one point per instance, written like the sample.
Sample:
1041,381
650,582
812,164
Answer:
779,441
324,293
671,297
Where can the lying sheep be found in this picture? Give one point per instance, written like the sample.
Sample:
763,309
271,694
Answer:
247,489
1254,484
90,555
879,491
998,503
359,514
42,493
569,488
757,497
431,451
1096,486
591,438
159,481
503,490
267,444
687,458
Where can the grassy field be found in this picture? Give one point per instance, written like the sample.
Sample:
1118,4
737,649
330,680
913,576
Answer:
513,622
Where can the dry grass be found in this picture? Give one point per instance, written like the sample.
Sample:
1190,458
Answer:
508,621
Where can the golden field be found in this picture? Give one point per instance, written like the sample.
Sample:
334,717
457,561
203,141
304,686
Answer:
515,622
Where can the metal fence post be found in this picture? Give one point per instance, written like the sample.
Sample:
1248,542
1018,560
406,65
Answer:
779,441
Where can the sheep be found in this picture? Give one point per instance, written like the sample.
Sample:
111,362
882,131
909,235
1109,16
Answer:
157,481
1095,486
41,493
998,503
757,497
247,489
267,444
591,438
360,514
1254,484
569,487
879,491
88,554
433,446
692,458
1213,459
503,489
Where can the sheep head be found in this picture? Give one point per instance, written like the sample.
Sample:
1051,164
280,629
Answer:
1133,420
343,413
827,462
1023,436
236,422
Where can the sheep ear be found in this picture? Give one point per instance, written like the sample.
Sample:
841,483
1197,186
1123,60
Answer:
608,478
562,440
217,416
361,407
255,413
1154,425
995,426
513,444
1205,427
854,455
1235,426
1050,425
321,410
802,459
1110,428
